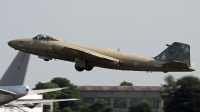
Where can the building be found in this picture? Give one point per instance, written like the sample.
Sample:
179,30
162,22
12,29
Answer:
121,97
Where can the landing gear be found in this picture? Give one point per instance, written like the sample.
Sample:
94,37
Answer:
81,65
46,60
165,71
80,69
88,68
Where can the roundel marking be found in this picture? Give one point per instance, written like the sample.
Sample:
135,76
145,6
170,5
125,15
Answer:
135,63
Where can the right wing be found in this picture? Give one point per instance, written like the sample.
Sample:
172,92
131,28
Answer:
31,92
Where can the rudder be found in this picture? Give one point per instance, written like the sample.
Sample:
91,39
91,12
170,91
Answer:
176,52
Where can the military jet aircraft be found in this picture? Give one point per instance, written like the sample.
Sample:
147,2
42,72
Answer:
175,58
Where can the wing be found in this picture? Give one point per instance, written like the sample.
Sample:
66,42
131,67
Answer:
41,101
87,54
44,91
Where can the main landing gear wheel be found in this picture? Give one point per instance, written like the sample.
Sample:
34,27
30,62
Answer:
80,69
88,68
46,60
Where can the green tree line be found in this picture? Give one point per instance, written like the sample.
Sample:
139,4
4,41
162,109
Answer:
71,92
182,95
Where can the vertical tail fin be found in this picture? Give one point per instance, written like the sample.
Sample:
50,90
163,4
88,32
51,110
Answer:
16,72
176,52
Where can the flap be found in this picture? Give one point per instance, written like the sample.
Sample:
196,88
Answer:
87,54
177,64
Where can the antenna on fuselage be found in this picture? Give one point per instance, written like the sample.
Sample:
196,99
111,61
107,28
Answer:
118,50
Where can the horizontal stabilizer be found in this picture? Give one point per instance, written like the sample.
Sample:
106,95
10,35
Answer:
177,65
193,64
41,101
44,91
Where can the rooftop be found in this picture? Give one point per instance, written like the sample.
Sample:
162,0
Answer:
120,88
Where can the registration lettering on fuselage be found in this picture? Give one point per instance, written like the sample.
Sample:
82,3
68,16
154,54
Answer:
159,66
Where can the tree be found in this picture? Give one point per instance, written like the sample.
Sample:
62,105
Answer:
48,85
109,109
67,109
101,106
61,82
85,108
50,95
143,106
170,79
71,92
182,96
126,84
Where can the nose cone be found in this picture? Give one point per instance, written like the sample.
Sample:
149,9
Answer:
10,43
13,43
19,44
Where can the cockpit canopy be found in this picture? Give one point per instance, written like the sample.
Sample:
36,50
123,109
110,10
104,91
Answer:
42,36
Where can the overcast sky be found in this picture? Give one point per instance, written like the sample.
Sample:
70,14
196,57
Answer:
141,27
